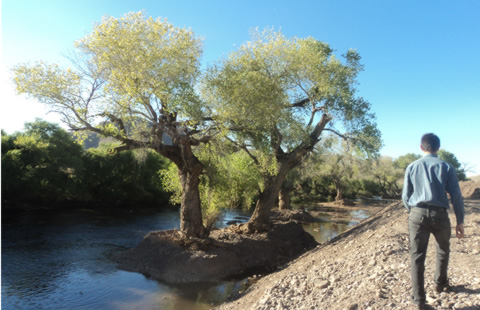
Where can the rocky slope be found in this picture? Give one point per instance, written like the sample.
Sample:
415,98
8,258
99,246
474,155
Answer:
367,267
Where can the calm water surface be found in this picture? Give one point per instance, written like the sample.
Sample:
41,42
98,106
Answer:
327,228
61,260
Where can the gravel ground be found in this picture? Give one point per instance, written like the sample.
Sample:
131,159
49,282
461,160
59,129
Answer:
367,267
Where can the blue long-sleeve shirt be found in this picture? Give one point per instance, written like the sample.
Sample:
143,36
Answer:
427,182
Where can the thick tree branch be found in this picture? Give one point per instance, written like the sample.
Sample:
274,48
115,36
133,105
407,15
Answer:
276,140
317,131
300,104
146,103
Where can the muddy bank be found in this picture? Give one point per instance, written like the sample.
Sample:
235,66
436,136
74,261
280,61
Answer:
367,267
227,253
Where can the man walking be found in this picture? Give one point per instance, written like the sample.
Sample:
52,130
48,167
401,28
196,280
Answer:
425,188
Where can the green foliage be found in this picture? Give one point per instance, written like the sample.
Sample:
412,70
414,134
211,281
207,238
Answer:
7,142
171,183
44,165
275,97
387,177
134,81
231,179
452,160
123,177
272,89
403,161
369,187
129,72
333,165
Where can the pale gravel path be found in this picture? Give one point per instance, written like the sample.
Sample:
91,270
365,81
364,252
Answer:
367,267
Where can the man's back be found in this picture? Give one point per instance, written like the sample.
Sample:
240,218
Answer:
427,182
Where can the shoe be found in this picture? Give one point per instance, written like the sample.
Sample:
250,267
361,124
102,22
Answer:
442,288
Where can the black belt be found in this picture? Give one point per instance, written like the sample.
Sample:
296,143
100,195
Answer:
430,208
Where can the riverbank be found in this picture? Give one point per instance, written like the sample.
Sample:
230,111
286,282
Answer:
367,267
227,253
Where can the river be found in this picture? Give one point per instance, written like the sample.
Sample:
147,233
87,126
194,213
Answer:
61,260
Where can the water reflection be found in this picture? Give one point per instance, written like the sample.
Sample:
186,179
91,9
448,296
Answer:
61,260
335,222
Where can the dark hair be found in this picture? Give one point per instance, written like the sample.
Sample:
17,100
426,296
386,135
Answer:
430,142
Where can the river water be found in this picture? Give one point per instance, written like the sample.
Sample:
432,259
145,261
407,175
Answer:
61,260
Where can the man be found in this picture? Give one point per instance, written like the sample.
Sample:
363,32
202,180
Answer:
425,188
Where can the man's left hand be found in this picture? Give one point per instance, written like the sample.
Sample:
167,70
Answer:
459,230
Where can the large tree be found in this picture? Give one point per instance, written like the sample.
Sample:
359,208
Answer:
277,96
133,80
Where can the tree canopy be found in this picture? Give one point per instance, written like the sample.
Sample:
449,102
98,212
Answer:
133,80
275,97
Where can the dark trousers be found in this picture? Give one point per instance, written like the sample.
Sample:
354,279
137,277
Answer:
421,223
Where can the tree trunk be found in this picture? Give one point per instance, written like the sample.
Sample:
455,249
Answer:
284,198
189,171
191,223
339,188
339,196
260,220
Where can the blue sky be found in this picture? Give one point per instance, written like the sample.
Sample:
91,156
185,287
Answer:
421,58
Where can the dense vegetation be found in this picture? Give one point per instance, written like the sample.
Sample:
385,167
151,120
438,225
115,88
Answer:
45,166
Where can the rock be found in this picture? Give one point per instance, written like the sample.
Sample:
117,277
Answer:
353,307
322,284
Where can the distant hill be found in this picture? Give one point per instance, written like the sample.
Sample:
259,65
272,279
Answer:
471,188
475,178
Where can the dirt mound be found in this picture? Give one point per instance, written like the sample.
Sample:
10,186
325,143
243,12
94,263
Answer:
167,257
470,189
367,267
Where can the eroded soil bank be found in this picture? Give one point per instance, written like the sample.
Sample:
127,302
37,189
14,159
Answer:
367,267
166,257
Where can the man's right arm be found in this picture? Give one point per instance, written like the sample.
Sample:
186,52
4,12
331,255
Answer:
453,188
